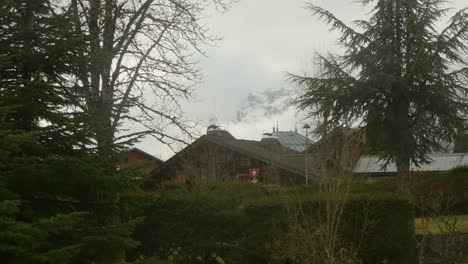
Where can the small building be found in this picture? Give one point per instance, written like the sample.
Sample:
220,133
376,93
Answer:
374,167
140,159
347,146
219,156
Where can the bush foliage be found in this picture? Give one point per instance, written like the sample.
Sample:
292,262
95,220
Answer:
241,222
448,187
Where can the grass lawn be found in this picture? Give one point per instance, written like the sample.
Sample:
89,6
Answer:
437,224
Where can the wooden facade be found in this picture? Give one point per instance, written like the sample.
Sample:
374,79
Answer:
221,157
145,162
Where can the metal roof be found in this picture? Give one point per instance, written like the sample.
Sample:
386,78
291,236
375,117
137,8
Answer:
440,162
292,140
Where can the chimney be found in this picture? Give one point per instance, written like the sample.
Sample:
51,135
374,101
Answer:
214,130
270,141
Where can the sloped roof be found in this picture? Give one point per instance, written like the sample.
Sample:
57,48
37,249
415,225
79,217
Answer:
259,152
144,153
440,162
251,148
293,140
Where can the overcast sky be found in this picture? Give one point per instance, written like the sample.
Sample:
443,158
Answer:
262,39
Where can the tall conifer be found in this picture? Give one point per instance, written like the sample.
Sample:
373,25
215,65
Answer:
402,79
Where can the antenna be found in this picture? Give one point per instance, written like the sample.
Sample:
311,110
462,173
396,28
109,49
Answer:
215,109
214,116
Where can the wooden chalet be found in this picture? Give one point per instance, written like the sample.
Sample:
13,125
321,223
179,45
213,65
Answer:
140,159
218,156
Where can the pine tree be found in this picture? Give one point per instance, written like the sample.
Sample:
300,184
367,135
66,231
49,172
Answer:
43,204
37,49
48,179
401,79
26,239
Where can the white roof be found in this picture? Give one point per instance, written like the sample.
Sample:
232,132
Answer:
440,162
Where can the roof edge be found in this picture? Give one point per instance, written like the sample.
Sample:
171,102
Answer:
144,153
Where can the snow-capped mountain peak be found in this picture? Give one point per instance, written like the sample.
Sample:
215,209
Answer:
266,104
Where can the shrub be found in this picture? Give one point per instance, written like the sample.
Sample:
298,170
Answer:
380,226
449,185
390,237
194,225
384,185
242,230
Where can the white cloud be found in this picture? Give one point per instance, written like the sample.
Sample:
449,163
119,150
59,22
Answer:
262,39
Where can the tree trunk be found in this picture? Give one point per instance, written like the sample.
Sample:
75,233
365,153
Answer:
400,102
402,139
95,48
95,70
403,173
25,115
101,90
107,92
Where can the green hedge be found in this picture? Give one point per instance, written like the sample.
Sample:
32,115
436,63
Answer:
439,186
389,238
200,226
392,238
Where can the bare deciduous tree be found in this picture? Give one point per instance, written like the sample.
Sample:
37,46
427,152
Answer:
137,63
314,237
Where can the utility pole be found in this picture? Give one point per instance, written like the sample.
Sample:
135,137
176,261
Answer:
306,127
